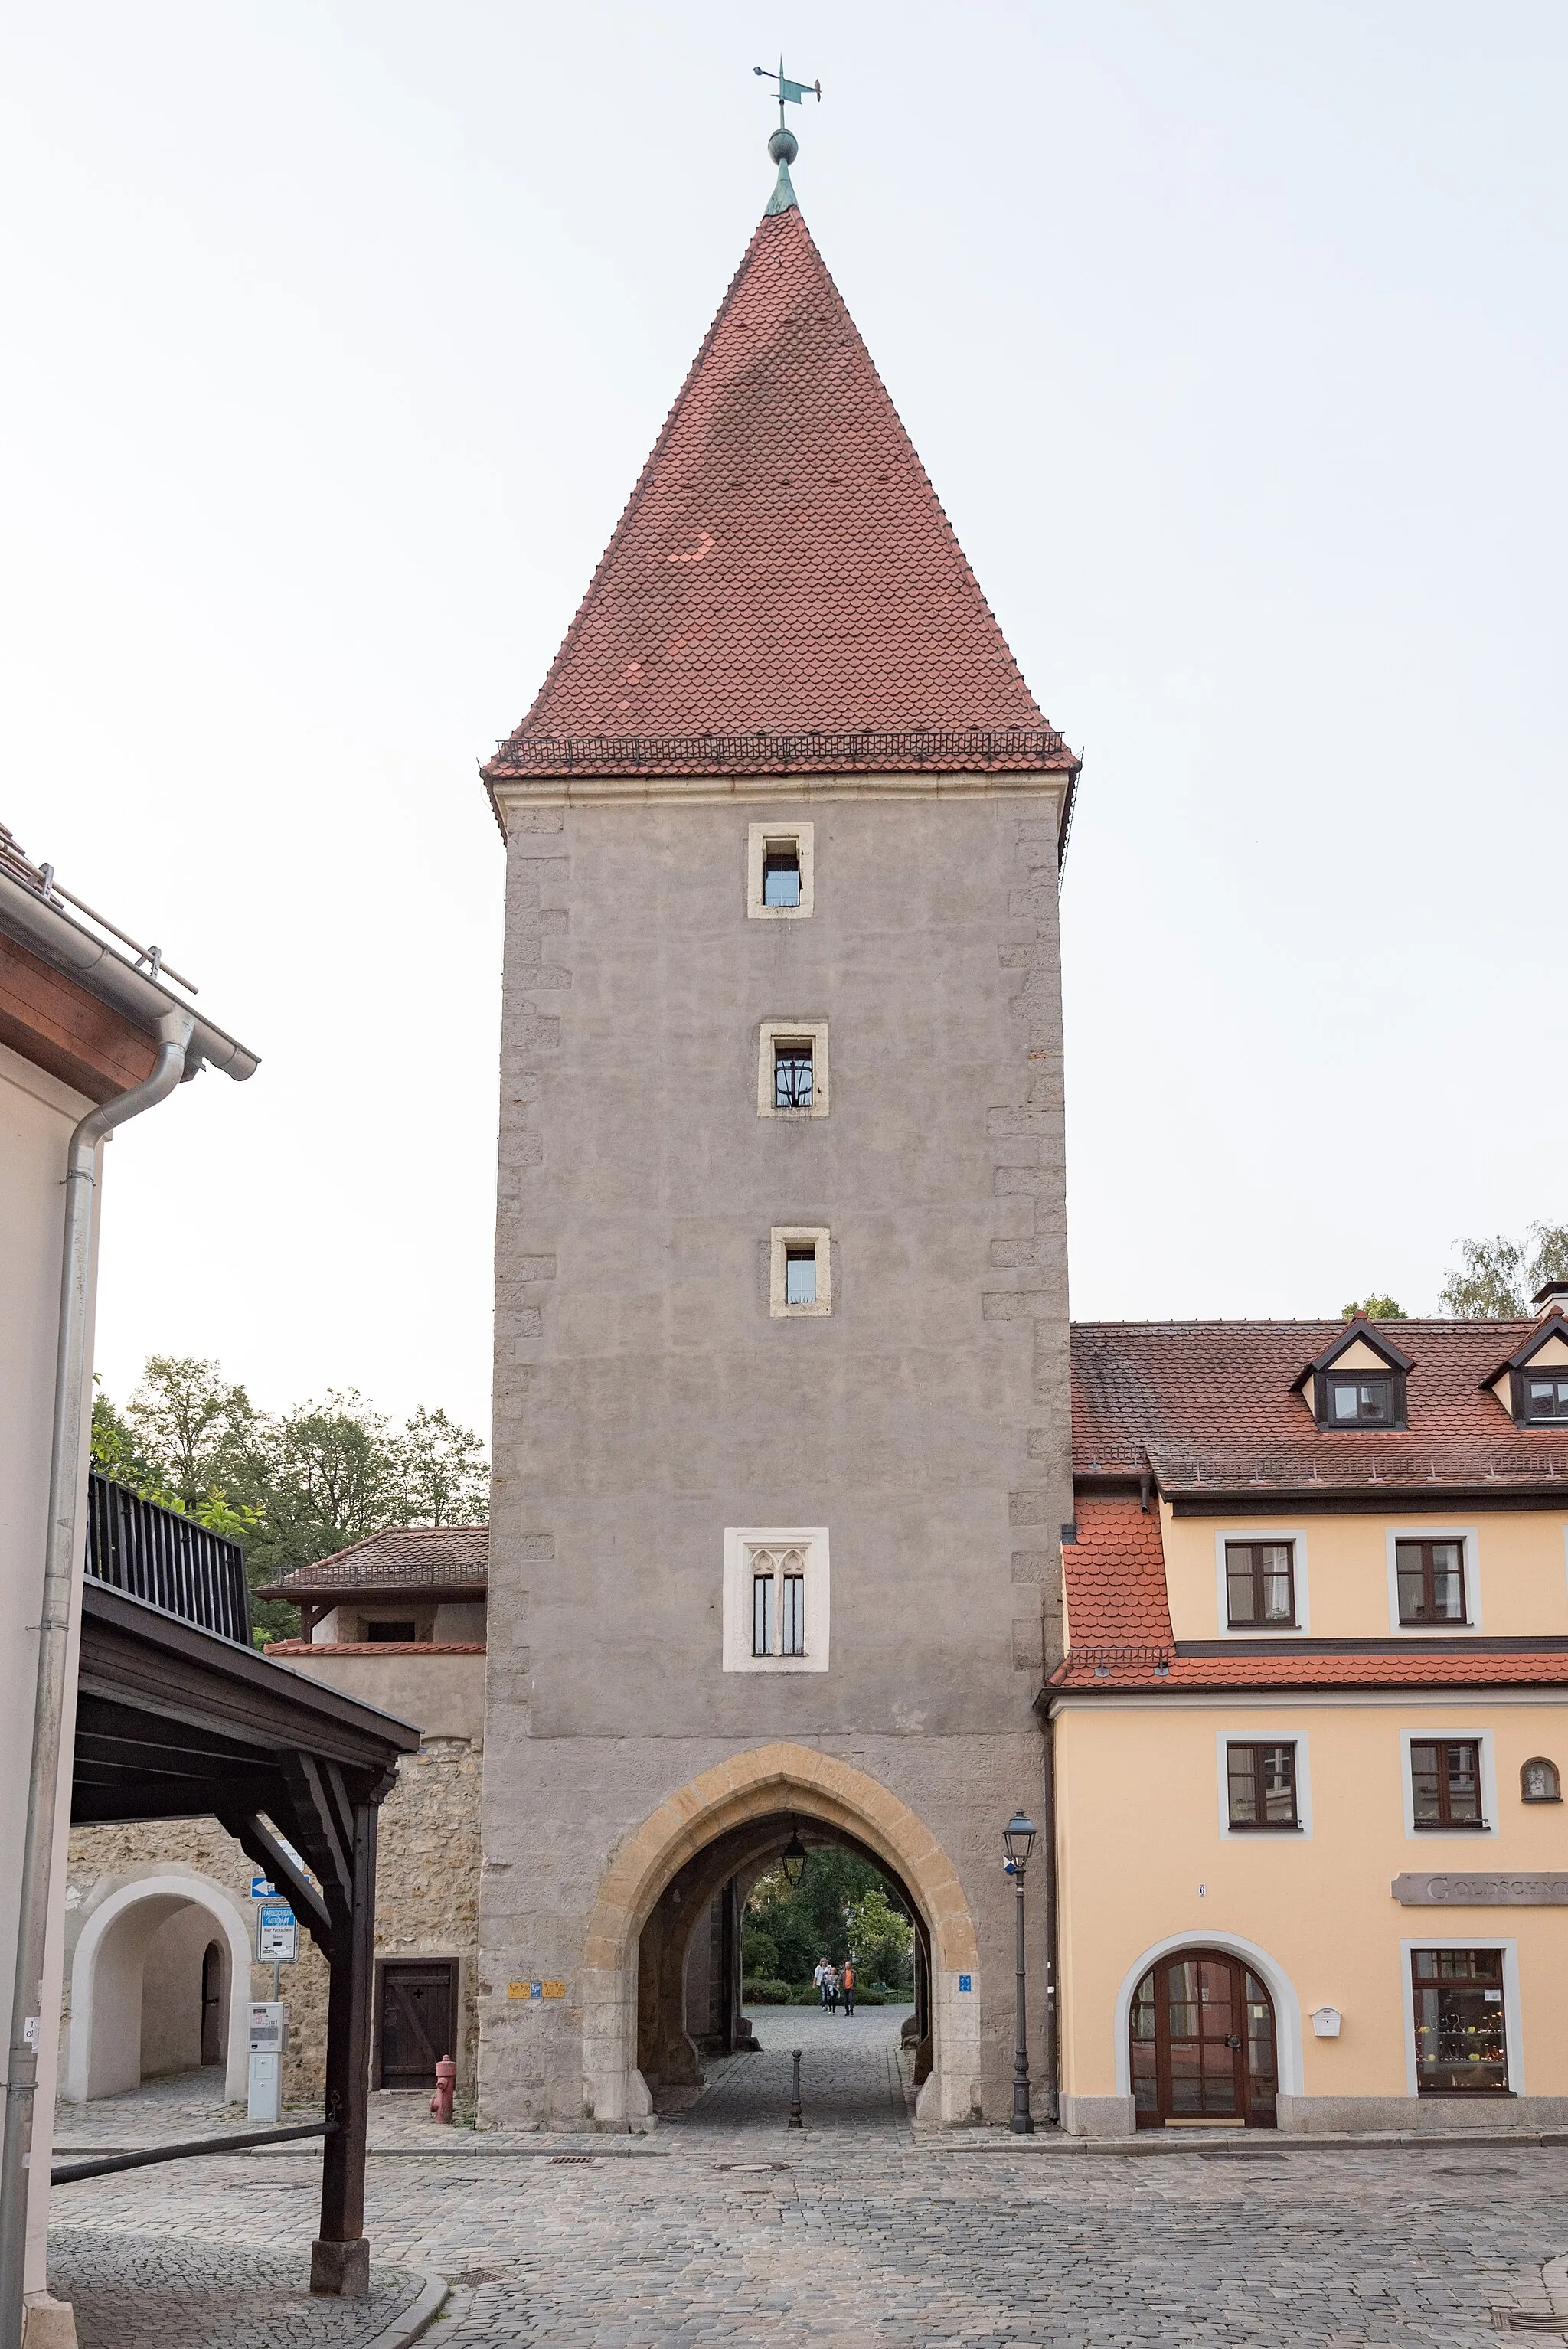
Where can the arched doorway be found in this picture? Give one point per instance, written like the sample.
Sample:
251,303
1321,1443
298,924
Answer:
1202,2046
735,1819
699,1931
140,1977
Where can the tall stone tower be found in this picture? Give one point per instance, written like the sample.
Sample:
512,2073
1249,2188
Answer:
781,1407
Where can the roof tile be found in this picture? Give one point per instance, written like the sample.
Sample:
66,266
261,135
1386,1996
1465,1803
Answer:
783,563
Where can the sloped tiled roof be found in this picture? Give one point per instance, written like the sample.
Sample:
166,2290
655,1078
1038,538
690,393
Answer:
1208,1405
1121,1642
783,565
403,1557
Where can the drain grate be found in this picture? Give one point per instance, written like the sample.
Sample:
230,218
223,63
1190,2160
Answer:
1228,2155
1530,2320
478,2275
570,2160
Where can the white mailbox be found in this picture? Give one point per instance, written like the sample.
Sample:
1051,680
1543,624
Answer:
1325,2022
269,2037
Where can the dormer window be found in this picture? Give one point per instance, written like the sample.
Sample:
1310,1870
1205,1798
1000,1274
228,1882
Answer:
1358,1381
1360,1399
1532,1384
1543,1400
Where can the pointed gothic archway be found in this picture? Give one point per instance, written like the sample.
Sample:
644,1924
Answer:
757,1786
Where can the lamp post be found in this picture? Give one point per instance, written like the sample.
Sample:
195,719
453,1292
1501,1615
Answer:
1018,1842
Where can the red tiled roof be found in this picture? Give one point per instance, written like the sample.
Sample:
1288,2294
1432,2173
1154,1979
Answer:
403,1557
1209,1406
1463,1667
1119,1626
1116,1577
783,564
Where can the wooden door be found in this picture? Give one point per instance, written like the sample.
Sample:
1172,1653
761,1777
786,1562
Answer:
1203,2034
418,2020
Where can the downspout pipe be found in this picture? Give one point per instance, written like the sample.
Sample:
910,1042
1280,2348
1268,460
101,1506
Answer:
1052,2113
61,1559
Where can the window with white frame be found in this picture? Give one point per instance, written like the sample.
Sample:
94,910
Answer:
1450,1782
780,872
1265,1781
775,1599
800,1271
1434,1578
792,1067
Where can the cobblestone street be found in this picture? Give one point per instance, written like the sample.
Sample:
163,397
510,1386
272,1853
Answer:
728,2227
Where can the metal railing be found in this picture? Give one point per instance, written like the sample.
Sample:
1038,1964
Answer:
167,1560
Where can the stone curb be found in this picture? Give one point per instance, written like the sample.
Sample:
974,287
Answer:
412,2322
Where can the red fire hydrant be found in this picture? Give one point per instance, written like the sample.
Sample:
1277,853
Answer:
446,2079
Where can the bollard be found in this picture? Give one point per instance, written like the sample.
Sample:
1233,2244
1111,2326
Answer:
795,2095
446,2076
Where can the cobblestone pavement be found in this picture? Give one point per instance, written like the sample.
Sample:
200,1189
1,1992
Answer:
726,2227
138,2290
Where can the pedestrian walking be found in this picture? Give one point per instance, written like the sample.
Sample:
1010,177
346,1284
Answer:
833,1990
847,1983
821,1979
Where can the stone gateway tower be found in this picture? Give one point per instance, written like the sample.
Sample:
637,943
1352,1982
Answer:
782,1380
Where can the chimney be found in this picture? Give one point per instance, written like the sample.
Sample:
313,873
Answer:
1553,1298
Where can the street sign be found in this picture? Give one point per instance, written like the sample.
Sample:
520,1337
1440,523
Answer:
277,1934
262,1887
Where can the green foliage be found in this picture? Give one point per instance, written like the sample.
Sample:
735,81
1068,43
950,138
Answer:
764,1992
292,1488
1375,1308
842,1904
1496,1278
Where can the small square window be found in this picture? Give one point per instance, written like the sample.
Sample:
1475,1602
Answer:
792,1067
799,1276
778,872
1544,1399
792,1073
781,872
383,1633
800,1273
1359,1400
1445,1783
1432,1580
1260,1586
1260,1785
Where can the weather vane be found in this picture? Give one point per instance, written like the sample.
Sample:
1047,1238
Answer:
783,146
790,92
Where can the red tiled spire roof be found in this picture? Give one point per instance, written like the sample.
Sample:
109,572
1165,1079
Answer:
783,566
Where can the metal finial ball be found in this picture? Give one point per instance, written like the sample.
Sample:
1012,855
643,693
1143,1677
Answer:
783,146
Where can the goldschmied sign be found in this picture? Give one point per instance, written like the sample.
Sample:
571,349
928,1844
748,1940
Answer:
1480,1889
536,1990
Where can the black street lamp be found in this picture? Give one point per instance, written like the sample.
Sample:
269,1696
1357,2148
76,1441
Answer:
793,1862
1018,1842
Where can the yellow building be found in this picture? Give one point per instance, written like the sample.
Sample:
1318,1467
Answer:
1309,1731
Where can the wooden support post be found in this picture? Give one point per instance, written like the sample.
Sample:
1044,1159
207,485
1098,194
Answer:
340,2256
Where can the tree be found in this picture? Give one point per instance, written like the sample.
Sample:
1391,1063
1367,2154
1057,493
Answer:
1374,1308
1497,1277
442,1472
841,1903
185,1416
289,1489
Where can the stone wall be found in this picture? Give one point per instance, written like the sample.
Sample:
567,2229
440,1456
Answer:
427,1893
